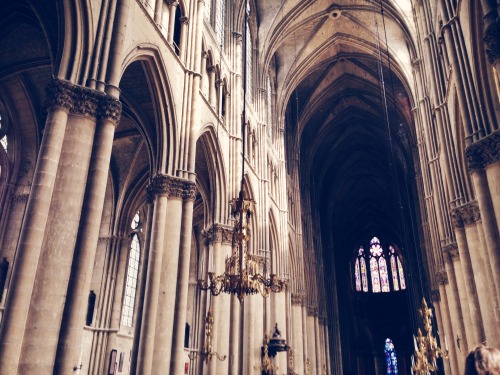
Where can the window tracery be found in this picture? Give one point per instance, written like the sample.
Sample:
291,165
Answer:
386,269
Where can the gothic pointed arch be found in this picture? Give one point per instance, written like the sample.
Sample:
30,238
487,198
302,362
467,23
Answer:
159,125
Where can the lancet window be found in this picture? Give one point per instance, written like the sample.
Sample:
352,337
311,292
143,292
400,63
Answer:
391,361
132,274
385,272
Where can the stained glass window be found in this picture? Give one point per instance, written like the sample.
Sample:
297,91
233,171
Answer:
394,272
401,275
375,248
375,275
385,266
391,360
357,276
364,276
132,275
384,276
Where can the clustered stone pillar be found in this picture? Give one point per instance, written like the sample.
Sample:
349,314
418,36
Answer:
467,220
298,339
32,232
161,339
436,300
69,351
47,244
189,195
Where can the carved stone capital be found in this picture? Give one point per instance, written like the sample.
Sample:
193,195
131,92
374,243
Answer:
159,185
60,95
176,187
465,215
82,101
450,252
297,299
435,296
189,190
218,234
312,311
110,109
442,277
484,152
492,41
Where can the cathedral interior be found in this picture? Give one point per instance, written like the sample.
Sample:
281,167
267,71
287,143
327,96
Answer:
274,187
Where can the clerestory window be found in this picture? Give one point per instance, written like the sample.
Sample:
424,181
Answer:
371,269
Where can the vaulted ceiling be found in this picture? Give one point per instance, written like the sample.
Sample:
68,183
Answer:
344,71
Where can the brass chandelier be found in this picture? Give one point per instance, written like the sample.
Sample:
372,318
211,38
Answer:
426,347
244,273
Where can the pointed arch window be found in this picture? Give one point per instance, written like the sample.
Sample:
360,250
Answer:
360,271
132,274
391,360
385,269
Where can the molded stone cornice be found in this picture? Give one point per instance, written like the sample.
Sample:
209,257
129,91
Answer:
442,277
435,296
450,252
465,215
492,41
484,152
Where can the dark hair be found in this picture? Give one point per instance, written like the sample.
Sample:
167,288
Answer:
483,360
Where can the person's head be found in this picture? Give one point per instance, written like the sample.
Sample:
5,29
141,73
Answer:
483,361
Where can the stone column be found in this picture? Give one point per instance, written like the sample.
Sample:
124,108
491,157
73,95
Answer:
224,313
55,264
234,333
319,349
470,288
460,303
173,7
483,159
311,341
215,239
189,196
157,190
34,226
69,347
436,298
167,293
468,216
453,322
297,344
